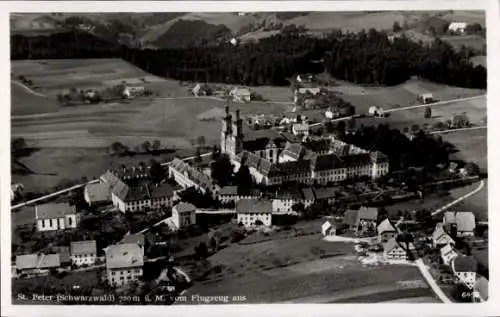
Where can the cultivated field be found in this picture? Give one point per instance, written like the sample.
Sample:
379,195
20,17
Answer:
471,145
298,273
477,203
26,101
53,76
472,41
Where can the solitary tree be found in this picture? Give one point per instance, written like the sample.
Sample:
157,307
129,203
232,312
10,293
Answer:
222,170
201,141
471,168
396,27
428,113
197,155
215,152
243,180
415,127
156,145
146,146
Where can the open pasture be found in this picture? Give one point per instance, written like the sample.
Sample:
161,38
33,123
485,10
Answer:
299,274
53,76
471,145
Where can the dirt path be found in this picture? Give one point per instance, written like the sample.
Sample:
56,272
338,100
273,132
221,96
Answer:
28,89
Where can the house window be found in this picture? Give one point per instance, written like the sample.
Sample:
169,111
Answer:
50,221
70,221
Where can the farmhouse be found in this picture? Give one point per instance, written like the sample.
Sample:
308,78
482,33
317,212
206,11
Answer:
327,194
463,223
124,263
229,194
34,264
83,252
440,238
386,231
141,196
426,98
241,94
252,213
327,229
97,194
394,251
301,128
314,91
448,254
367,218
465,268
308,196
457,27
56,216
184,214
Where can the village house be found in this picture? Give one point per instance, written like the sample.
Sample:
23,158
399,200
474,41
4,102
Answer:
143,195
184,214
284,200
124,263
465,269
351,219
254,212
15,190
426,98
462,223
137,238
314,91
326,194
393,250
241,94
440,238
457,27
367,218
56,216
300,128
308,197
328,229
448,254
229,194
386,231
97,194
64,255
83,252
36,264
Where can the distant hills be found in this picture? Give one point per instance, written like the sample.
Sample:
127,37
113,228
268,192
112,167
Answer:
177,29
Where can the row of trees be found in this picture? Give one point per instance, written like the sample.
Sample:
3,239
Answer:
365,58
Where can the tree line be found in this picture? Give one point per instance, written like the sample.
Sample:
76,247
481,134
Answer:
363,58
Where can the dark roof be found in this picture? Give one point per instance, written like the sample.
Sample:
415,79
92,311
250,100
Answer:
378,157
318,146
351,217
98,192
64,255
361,159
308,193
289,193
465,264
256,145
83,247
142,191
327,162
53,210
325,193
184,207
290,137
161,190
229,190
254,206
294,167
294,150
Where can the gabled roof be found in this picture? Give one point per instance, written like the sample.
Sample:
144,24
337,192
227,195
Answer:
438,233
465,221
328,162
120,190
326,225
325,192
308,193
447,249
110,178
254,206
184,207
464,264
294,150
124,256
83,247
385,226
449,217
289,193
98,192
35,261
368,213
53,210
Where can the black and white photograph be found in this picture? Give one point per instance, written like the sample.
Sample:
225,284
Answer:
252,157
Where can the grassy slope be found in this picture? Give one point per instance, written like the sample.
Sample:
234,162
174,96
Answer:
24,102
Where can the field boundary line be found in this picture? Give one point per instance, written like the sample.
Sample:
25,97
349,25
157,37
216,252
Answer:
28,89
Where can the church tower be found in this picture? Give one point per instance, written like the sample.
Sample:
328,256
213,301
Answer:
226,131
237,133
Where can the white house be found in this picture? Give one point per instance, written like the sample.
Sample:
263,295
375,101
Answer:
375,111
229,194
132,198
241,94
448,254
463,221
184,214
254,212
300,128
457,27
386,231
394,251
465,268
327,229
56,216
83,252
124,263
440,238
426,98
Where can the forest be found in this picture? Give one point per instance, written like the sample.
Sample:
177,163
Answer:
368,58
